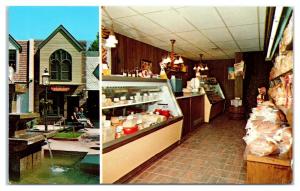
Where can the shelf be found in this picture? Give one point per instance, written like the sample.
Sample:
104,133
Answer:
130,104
130,79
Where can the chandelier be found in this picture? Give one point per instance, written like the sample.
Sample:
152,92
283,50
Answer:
173,62
201,65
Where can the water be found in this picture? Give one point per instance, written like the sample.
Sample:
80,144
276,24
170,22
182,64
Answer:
50,152
62,170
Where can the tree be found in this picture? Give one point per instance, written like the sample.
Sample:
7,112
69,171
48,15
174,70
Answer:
95,44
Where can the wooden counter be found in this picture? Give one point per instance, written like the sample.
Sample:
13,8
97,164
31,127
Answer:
268,170
192,107
123,159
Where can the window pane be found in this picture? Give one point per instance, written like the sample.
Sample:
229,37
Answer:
54,75
65,66
65,76
54,65
61,65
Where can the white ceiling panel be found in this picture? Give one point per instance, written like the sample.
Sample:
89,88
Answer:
167,37
227,45
249,43
244,32
171,20
217,34
194,37
196,29
152,41
137,33
202,17
143,24
262,14
249,49
216,52
150,9
119,11
234,16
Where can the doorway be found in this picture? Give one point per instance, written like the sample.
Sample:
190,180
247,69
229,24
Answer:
72,102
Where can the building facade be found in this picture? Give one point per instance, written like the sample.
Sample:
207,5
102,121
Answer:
65,59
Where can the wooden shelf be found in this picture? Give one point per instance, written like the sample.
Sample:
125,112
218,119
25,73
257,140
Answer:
130,104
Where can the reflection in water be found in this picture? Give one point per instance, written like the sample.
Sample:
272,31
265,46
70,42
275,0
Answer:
65,170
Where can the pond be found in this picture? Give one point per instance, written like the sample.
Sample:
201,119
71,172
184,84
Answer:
64,170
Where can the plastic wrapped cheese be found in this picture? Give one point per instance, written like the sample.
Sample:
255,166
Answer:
262,147
284,138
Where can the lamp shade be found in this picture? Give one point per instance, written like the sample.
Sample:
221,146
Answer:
112,39
180,60
109,44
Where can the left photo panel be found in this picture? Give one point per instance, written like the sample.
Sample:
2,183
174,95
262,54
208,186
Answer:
53,82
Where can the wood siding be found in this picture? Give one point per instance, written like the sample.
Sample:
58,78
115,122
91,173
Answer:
59,41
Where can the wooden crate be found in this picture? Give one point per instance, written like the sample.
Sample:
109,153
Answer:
268,170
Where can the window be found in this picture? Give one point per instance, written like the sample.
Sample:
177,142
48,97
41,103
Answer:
61,65
13,59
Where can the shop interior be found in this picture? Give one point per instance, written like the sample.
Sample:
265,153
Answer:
197,95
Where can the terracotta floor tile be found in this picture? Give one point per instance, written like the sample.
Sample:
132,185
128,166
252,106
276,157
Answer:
212,154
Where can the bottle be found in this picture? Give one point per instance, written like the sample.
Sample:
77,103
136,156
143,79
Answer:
136,71
133,73
118,133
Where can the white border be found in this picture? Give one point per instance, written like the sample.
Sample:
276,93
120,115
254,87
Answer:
3,94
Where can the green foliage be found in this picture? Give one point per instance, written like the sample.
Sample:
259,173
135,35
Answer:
95,45
68,135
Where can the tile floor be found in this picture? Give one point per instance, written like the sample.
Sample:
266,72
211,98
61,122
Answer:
212,154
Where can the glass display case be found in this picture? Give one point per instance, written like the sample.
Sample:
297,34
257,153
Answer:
133,104
214,93
214,98
140,119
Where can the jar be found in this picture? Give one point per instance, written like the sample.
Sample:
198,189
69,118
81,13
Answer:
119,131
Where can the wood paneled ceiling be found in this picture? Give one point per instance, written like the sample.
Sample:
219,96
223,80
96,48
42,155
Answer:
216,32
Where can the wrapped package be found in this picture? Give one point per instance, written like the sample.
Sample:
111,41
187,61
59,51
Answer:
283,63
284,138
262,146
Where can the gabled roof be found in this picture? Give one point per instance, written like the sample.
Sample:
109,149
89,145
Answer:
66,33
15,43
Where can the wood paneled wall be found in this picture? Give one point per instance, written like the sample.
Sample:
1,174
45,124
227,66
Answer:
256,75
219,69
129,53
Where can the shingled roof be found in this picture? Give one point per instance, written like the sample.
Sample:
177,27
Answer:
66,33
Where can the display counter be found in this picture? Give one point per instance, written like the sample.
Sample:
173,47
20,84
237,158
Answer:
214,100
192,107
147,109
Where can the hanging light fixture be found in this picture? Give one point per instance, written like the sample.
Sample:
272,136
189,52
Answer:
201,65
111,41
172,58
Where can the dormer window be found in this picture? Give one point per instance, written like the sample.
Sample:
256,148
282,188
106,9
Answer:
12,59
61,66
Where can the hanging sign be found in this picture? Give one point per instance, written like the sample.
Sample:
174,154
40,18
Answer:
60,88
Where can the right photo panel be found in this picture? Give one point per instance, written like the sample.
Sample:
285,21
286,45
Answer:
196,95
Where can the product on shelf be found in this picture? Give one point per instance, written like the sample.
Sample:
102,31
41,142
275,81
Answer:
267,132
287,37
283,63
284,139
262,146
282,92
